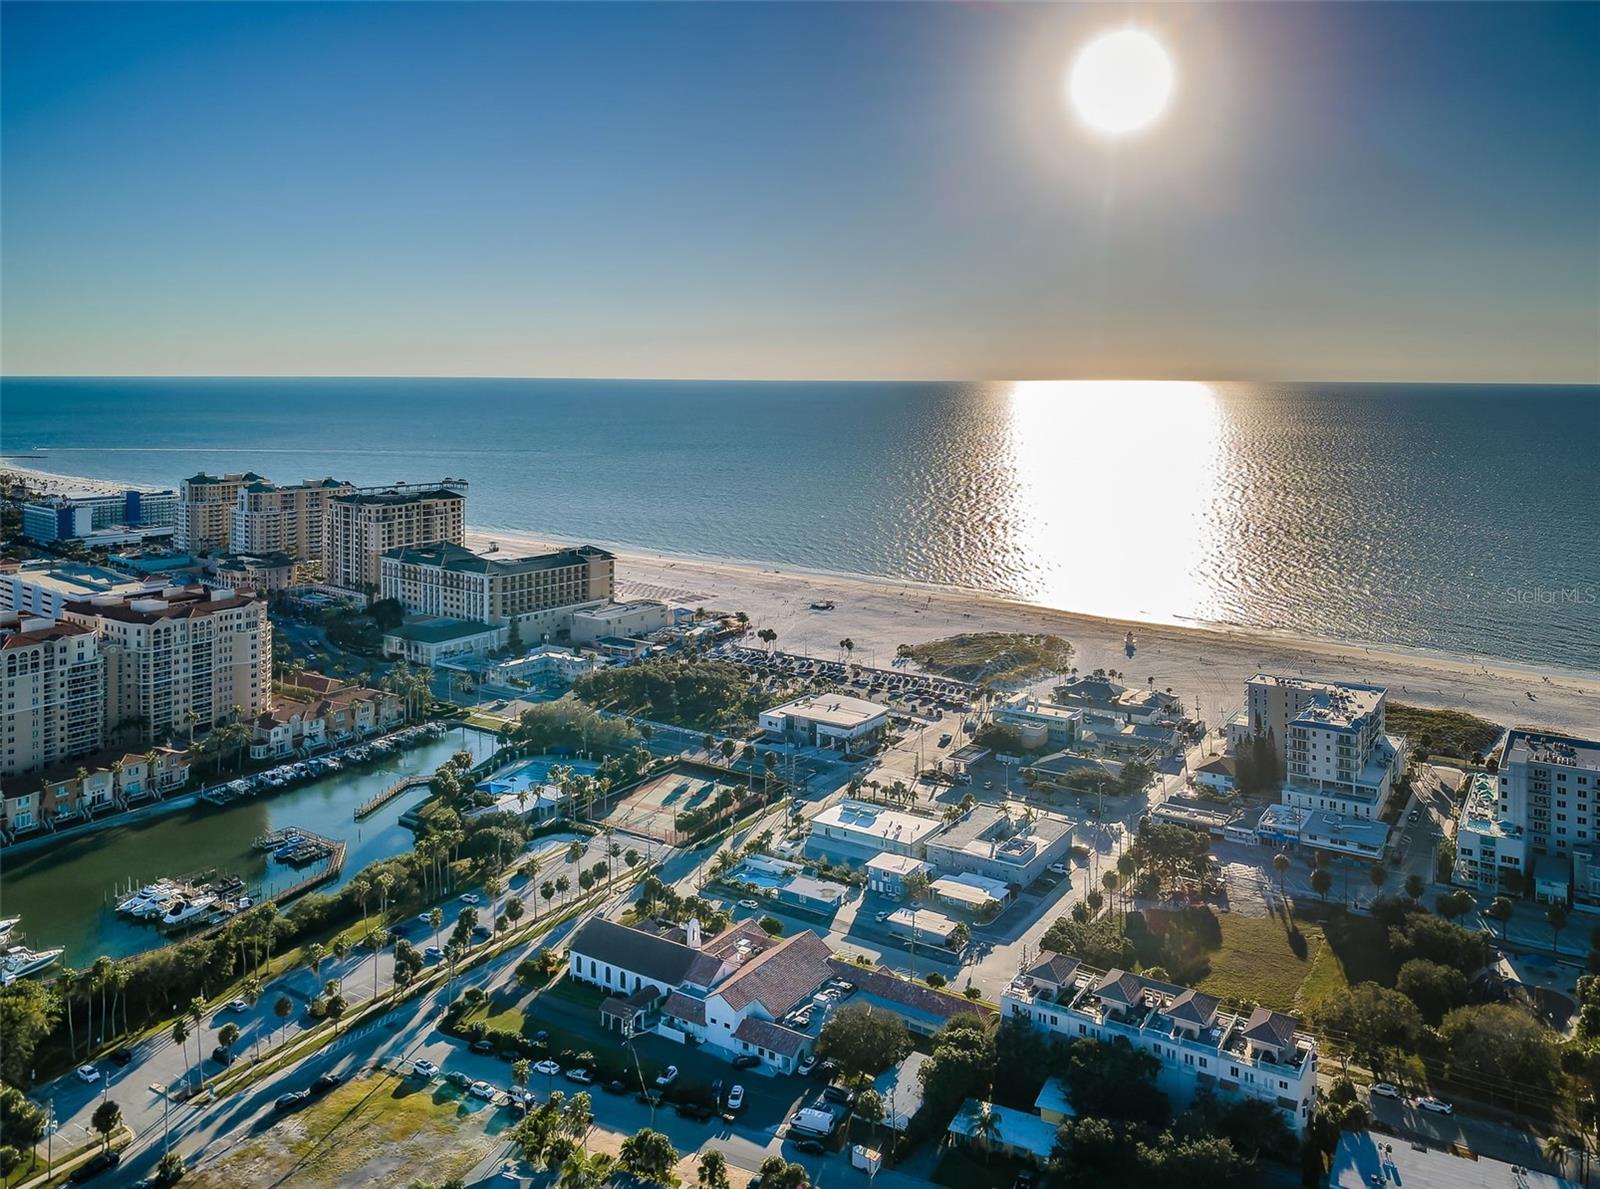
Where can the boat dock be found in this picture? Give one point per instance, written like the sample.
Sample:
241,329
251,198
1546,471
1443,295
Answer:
372,804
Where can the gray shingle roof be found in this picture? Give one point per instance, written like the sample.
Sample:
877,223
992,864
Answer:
634,950
767,1035
1194,1007
1270,1027
1054,968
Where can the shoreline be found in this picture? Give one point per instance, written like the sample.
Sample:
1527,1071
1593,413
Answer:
1205,664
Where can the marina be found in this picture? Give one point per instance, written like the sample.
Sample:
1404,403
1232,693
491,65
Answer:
108,868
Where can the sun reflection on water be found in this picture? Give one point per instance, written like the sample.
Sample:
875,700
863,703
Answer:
1112,481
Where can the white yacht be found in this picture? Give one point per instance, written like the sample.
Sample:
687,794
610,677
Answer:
183,910
19,961
6,925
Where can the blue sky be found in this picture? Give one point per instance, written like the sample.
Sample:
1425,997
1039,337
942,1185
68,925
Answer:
1337,192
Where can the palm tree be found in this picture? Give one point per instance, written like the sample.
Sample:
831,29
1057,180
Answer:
100,980
1555,1151
1557,918
493,887
66,982
1500,909
180,1036
151,758
1280,864
435,919
283,1009
117,769
583,1170
986,1127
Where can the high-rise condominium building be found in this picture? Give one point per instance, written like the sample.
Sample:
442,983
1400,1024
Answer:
52,692
364,525
179,651
205,510
289,520
1549,788
449,580
1330,742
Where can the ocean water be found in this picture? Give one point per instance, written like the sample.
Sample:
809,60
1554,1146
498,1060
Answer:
1457,517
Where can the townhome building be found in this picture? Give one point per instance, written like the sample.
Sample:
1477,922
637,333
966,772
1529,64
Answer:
1200,1046
85,786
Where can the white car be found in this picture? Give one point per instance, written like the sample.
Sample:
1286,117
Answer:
807,1063
424,918
425,1069
668,1076
1384,1090
237,1005
548,1068
1058,868
752,905
470,898
736,1097
88,1073
1437,1105
482,1090
881,917
582,1076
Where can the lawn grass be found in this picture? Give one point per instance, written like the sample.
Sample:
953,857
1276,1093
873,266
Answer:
378,1129
1263,959
1443,732
999,657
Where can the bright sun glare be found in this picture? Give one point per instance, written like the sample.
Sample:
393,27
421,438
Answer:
1121,82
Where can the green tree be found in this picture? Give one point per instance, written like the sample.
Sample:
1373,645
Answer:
778,1173
29,1012
106,1119
283,1008
649,1156
1503,1045
712,1172
1556,917
1415,886
1368,1021
863,1042
1499,911
1321,881
584,1170
1435,988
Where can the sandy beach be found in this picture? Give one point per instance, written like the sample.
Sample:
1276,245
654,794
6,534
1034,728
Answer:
1210,664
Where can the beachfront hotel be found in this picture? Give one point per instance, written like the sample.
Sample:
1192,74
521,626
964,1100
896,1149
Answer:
364,525
268,519
205,510
53,696
1333,753
180,651
98,516
538,593
1535,816
1200,1045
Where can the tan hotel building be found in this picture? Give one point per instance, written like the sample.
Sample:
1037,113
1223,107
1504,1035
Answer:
362,526
448,580
289,520
205,510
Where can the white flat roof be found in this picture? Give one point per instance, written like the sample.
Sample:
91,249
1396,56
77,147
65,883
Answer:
891,825
892,864
1017,1129
832,710
962,893
925,920
996,887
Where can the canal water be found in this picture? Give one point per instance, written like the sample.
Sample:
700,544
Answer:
66,893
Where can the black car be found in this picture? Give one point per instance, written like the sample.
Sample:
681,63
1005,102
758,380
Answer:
510,1055
747,1061
699,1112
122,1056
482,1046
614,1088
1025,1180
326,1082
292,1101
482,932
814,1146
222,1055
97,1164
840,1094
826,1070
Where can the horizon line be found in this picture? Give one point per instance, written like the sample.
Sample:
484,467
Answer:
1505,383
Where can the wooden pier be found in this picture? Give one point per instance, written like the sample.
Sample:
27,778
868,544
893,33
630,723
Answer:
372,804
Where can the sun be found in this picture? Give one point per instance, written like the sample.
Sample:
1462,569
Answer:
1121,82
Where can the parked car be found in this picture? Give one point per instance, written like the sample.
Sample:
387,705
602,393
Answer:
1058,869
483,1090
944,740
222,1055
668,1076
541,1037
326,1082
1437,1105
880,917
807,1063
292,1100
469,898
236,1005
425,1069
807,1144
840,1094
122,1056
433,953
481,1046
510,1055
97,1164
1384,1090
548,1068
746,1061
461,1081
482,932
88,1073
697,1111
582,1076
752,905
736,1097
614,1087
425,919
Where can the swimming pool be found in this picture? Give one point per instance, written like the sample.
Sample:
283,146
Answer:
532,772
